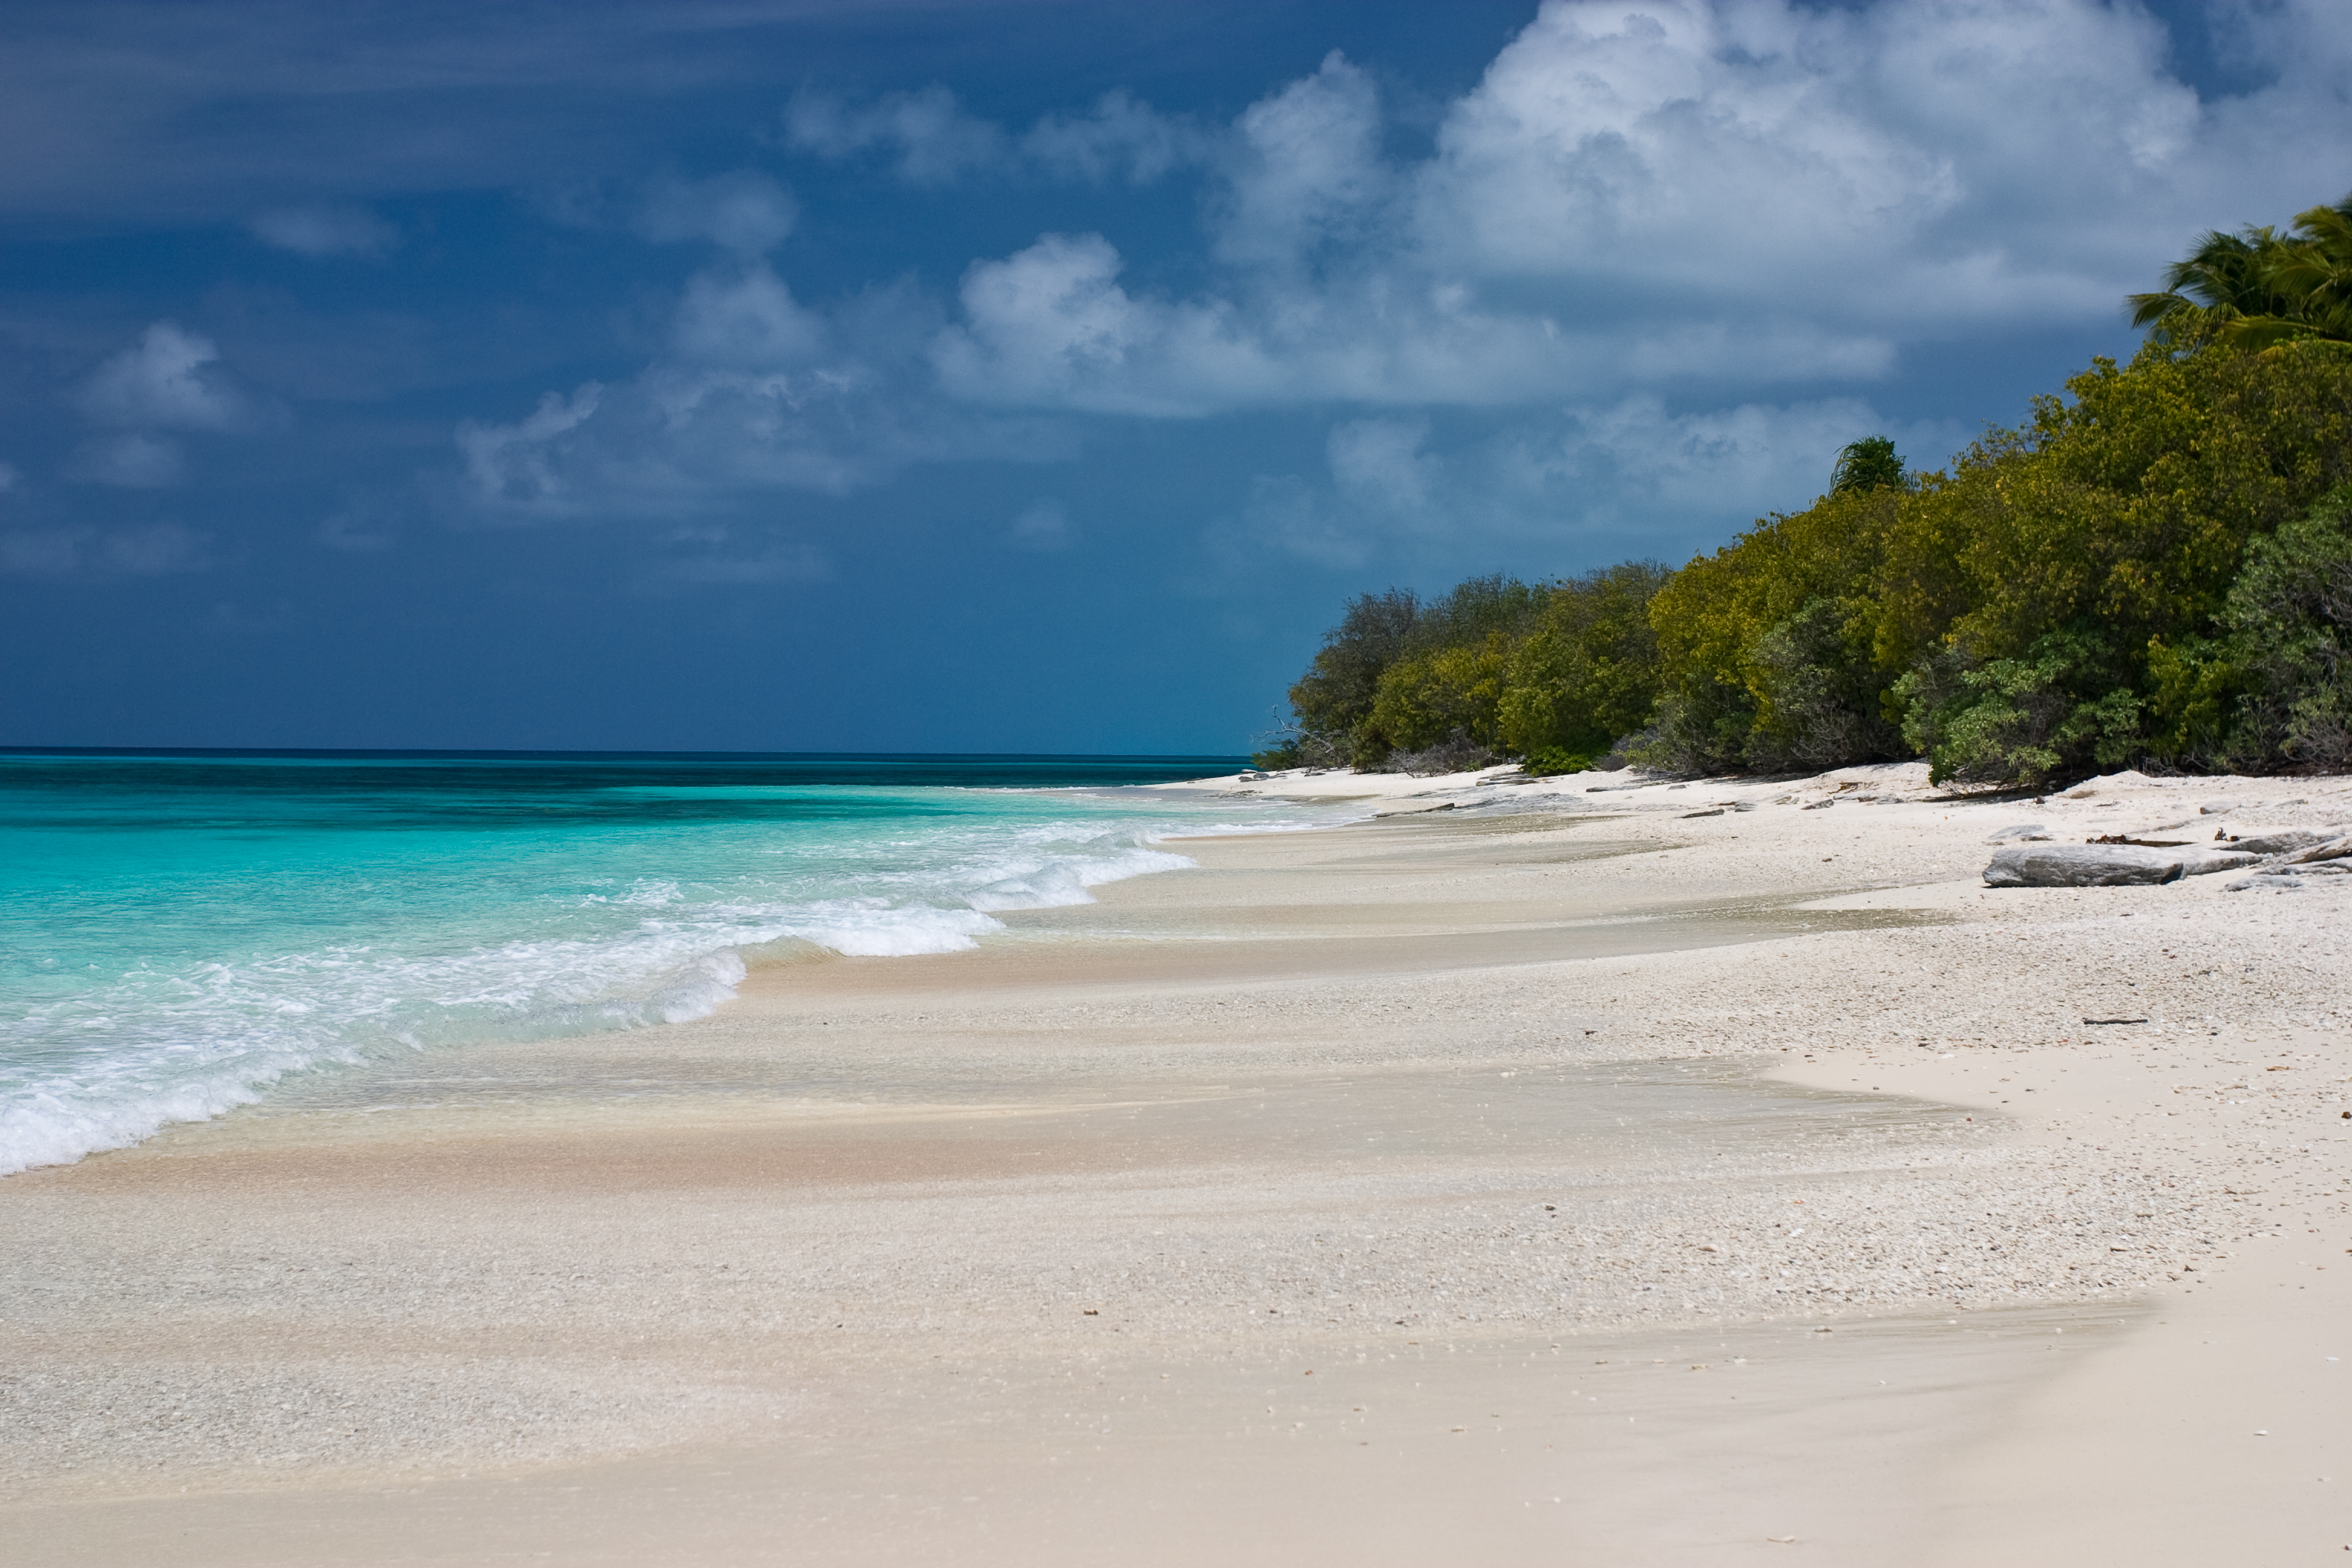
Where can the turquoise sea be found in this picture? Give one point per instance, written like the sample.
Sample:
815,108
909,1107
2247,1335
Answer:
178,931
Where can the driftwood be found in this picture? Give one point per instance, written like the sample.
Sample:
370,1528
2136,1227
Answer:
2103,864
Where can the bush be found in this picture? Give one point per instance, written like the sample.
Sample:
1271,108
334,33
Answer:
1550,759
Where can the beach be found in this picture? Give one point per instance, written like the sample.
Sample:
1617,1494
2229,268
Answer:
1607,1169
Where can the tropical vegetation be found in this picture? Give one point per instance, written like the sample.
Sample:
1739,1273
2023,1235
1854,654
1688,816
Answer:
2154,570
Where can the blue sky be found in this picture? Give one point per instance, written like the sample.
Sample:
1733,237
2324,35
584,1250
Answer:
782,374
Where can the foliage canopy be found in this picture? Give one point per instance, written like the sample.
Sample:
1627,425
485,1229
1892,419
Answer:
2155,568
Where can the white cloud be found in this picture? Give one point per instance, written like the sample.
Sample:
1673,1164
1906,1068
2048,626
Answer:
1667,241
1306,169
320,231
1052,325
133,459
168,380
745,317
1911,170
1669,193
745,212
753,392
931,136
523,464
1122,138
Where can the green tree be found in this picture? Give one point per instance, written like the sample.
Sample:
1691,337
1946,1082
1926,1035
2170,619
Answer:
1869,464
1331,704
1588,674
2082,562
1767,648
1449,691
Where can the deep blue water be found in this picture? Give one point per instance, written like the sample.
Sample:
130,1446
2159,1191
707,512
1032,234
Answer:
179,931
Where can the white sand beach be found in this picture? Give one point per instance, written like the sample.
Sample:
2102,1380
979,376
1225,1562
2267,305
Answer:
1599,1170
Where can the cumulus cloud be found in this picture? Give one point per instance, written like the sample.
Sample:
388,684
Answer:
745,318
1306,168
1644,194
1930,162
169,380
754,391
745,212
1052,325
320,231
1663,243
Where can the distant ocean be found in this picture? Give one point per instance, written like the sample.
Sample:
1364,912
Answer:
178,931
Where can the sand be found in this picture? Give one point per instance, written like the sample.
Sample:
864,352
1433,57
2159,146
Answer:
1560,1176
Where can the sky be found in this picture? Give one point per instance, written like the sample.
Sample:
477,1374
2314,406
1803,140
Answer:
1041,376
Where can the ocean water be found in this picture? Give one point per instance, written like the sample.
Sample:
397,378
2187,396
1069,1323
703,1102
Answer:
178,932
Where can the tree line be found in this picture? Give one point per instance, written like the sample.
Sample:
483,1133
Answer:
2155,568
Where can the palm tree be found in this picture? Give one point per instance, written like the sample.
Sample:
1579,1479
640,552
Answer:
2219,283
2313,273
1869,464
2256,289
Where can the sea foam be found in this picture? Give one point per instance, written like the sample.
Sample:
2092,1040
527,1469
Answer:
174,998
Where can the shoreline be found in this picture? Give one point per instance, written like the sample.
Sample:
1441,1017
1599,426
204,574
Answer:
1301,1106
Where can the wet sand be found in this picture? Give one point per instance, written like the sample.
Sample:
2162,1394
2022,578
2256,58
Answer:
1577,1184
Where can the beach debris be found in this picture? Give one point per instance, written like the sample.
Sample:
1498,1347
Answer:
1821,805
2217,808
2105,865
2097,1022
1688,814
1743,806
2024,832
